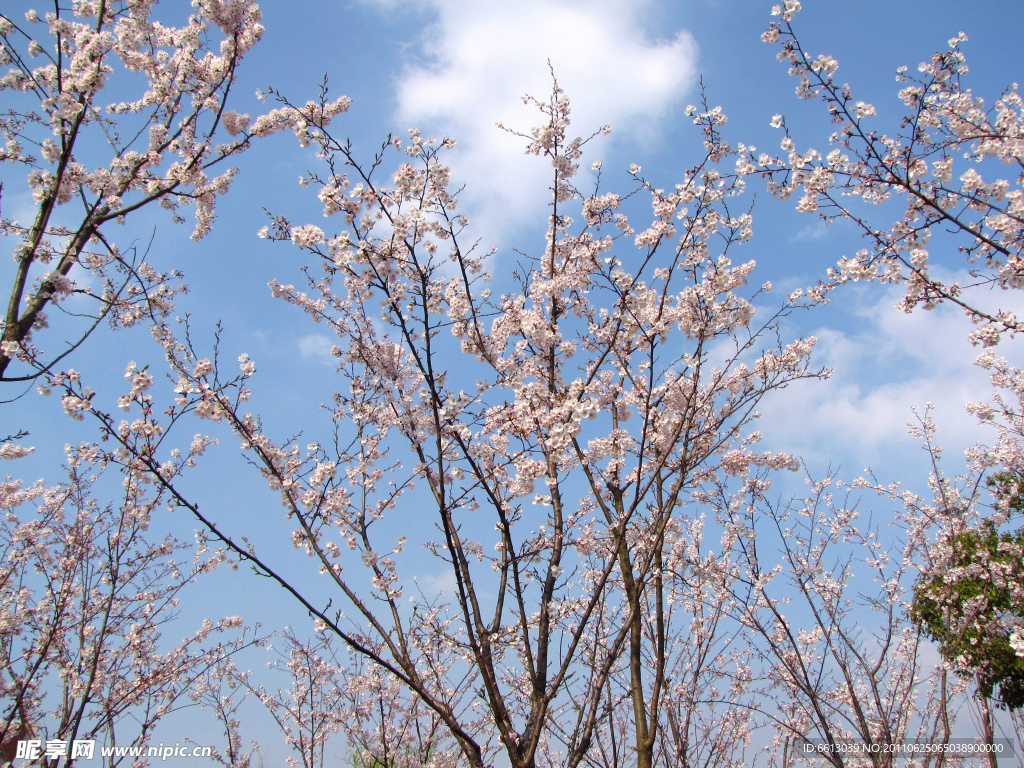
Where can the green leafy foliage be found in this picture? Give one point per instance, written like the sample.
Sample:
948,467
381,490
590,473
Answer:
973,596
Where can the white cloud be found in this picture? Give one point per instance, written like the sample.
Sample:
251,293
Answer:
479,59
316,347
438,585
883,365
816,231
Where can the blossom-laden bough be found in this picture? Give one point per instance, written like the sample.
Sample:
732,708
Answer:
95,158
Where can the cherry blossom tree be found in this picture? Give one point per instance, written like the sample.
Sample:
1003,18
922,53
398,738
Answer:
85,590
87,596
221,693
385,727
617,379
842,664
309,711
161,146
565,437
695,668
934,164
388,728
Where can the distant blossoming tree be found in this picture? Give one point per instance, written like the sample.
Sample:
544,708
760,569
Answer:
86,596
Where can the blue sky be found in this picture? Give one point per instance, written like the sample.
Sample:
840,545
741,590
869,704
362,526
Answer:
454,68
